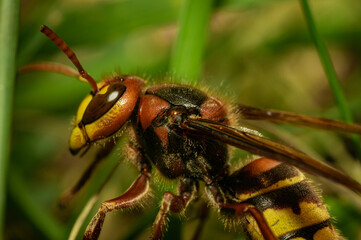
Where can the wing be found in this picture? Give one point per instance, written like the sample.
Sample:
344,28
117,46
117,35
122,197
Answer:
267,148
253,113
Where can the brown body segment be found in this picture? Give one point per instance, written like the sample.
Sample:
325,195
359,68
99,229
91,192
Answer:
150,106
176,155
259,166
215,110
261,175
162,133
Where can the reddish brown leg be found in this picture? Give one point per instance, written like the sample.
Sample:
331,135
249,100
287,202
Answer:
102,154
131,197
241,209
173,203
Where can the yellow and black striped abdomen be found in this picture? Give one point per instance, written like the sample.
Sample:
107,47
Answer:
292,207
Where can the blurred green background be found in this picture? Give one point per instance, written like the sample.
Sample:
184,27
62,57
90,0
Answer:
256,52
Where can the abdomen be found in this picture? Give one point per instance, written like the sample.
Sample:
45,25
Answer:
290,204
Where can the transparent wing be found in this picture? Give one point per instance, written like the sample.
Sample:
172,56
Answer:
265,147
252,113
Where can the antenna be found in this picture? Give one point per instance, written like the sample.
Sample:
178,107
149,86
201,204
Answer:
70,54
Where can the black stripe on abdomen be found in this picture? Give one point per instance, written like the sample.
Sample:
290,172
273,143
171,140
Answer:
307,232
287,197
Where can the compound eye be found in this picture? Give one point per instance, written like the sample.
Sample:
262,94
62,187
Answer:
101,103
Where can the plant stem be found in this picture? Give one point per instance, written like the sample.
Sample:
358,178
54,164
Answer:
8,45
330,72
186,62
187,56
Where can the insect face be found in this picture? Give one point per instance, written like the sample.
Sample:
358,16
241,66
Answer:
105,112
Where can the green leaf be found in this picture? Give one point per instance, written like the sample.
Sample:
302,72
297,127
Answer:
8,46
187,58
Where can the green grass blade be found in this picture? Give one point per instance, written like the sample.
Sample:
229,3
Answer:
8,46
330,72
187,59
186,62
38,215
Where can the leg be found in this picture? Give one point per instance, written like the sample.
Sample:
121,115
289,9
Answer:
240,209
88,206
174,203
103,153
134,195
